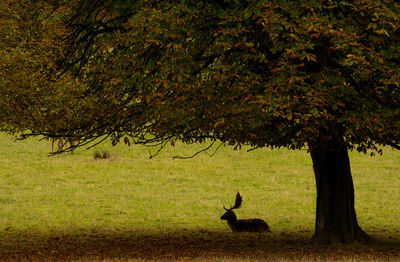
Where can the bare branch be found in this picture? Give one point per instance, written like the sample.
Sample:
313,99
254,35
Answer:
187,157
104,138
215,151
163,144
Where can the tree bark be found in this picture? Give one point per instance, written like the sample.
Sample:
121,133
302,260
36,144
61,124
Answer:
336,220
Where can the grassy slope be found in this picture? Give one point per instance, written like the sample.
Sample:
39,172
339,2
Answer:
40,195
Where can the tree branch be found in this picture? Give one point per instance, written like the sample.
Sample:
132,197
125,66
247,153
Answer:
203,150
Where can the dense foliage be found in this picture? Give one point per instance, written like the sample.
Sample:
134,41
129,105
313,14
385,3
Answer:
265,73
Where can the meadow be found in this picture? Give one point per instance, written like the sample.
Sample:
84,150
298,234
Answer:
128,207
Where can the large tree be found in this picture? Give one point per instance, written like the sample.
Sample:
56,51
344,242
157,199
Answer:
318,74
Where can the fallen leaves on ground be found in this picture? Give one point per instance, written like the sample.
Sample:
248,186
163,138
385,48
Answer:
173,245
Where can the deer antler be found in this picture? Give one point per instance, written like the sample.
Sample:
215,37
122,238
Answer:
238,201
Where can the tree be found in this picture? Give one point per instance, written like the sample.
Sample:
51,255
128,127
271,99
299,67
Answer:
321,74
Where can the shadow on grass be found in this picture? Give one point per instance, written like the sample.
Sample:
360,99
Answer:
201,245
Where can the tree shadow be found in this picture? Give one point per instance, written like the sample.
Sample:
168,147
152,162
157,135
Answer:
180,245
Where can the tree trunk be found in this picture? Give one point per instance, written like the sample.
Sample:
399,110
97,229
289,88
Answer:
336,221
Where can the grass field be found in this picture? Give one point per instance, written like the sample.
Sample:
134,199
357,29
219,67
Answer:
130,207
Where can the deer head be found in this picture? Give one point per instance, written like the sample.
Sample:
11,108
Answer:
229,213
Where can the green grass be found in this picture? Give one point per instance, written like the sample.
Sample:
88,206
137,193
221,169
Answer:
77,198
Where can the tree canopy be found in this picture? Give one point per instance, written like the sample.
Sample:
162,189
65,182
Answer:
264,73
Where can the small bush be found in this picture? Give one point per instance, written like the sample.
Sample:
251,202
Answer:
101,154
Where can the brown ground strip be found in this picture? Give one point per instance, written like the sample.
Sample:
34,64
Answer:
201,245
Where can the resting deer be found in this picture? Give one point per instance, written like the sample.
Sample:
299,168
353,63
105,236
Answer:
243,225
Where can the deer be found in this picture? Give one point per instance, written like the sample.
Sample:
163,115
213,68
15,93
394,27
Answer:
63,141
243,225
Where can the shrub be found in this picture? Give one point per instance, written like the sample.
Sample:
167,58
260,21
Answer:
105,154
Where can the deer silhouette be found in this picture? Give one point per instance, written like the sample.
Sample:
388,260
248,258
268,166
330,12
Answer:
243,225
